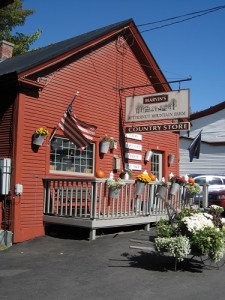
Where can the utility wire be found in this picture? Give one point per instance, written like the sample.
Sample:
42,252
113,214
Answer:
199,14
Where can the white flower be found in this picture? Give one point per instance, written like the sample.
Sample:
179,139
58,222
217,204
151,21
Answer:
197,222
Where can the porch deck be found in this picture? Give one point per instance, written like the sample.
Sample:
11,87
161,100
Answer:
86,203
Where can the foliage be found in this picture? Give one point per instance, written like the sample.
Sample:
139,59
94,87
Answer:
42,131
178,246
14,15
178,179
209,241
144,178
205,232
115,184
192,189
108,139
164,228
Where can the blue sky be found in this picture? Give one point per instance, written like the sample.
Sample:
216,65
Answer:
193,48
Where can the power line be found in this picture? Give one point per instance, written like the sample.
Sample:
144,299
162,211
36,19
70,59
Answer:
193,14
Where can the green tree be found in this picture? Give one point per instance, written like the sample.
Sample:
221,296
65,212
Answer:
14,15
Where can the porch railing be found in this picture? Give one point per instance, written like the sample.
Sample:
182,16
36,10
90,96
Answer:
86,203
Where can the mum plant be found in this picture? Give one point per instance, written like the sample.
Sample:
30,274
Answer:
42,131
178,179
115,183
144,177
194,232
192,189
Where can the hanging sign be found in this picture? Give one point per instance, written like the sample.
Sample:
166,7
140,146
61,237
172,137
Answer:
133,146
171,105
133,166
160,127
133,156
134,136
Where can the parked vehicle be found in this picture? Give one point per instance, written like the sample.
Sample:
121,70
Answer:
217,198
215,184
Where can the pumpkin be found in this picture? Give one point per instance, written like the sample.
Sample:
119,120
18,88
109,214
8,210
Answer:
191,180
153,177
100,174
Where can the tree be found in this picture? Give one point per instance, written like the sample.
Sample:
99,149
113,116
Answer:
14,15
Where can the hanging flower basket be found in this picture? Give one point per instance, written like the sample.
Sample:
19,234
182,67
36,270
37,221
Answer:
39,136
161,191
38,139
175,187
114,193
104,147
140,187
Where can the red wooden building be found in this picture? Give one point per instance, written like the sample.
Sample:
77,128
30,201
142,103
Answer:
106,66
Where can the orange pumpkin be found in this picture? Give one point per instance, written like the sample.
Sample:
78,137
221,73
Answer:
153,177
100,174
191,180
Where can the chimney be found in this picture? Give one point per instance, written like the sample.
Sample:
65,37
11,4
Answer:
6,50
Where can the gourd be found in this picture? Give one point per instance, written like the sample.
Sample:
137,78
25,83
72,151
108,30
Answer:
100,174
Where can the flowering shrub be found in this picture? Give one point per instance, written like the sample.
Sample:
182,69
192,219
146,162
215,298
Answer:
178,246
42,131
203,233
144,178
115,184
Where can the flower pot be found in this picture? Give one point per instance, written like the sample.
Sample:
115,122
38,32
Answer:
161,192
114,193
140,187
104,147
38,139
175,187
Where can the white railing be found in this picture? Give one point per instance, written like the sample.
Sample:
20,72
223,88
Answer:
86,203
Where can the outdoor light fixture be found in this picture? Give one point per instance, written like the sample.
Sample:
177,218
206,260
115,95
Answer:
148,155
171,158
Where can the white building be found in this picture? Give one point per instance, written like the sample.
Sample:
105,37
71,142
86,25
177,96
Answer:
212,152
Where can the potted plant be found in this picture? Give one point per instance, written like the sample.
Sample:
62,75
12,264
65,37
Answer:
39,136
114,186
176,183
126,174
191,191
193,232
105,144
141,181
161,190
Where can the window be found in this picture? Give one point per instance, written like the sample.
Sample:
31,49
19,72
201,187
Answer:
156,165
65,157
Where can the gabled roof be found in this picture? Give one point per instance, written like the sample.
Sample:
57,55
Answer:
34,58
209,111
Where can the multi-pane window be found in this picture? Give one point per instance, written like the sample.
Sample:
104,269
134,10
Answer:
65,157
156,165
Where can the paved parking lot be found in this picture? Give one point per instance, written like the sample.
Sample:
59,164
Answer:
65,265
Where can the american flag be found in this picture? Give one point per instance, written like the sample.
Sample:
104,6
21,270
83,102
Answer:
78,132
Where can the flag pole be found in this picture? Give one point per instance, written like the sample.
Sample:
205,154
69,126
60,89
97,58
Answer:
75,96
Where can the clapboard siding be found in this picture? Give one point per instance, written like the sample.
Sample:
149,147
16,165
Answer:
96,75
212,150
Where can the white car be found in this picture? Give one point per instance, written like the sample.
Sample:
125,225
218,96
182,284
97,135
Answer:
215,182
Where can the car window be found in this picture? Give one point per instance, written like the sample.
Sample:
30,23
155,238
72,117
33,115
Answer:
214,180
200,180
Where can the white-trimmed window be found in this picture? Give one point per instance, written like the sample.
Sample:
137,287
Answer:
65,157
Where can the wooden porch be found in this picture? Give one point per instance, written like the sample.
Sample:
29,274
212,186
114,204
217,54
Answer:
85,203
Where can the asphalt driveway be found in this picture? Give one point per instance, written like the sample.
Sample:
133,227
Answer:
65,265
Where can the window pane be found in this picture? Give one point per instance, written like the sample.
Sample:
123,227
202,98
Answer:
65,156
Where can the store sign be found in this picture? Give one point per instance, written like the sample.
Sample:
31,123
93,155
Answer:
133,156
133,166
134,136
133,146
160,127
171,105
